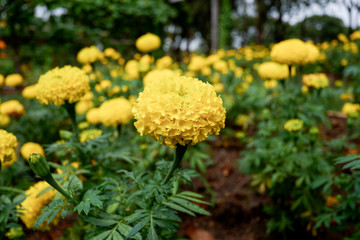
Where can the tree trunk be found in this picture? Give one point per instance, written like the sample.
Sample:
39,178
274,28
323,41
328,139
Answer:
214,24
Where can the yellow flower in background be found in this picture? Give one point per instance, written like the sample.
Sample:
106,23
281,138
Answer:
304,89
4,120
60,85
197,63
14,80
355,35
242,88
8,144
211,59
273,70
269,84
315,80
115,111
12,108
83,106
313,53
293,125
29,92
290,52
351,109
347,96
179,110
157,74
101,86
144,63
148,42
88,55
164,62
93,116
342,37
131,70
33,204
344,62
87,68
219,87
30,147
83,125
2,80
114,90
90,134
241,120
221,66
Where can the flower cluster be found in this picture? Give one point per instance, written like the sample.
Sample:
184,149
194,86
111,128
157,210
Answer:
179,110
8,144
273,70
60,85
34,202
291,51
315,80
148,42
293,125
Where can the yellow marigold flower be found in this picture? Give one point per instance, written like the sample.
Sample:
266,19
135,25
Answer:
114,90
344,62
148,42
221,66
219,87
115,111
30,147
270,84
29,92
242,88
4,120
238,72
351,109
14,80
347,96
131,70
196,63
331,201
241,119
293,125
304,89
211,59
33,204
93,116
62,84
87,68
206,71
90,134
315,80
313,53
291,51
101,86
164,62
157,74
83,106
8,144
144,63
355,35
109,52
342,37
12,108
179,110
248,78
88,55
273,70
83,125
2,80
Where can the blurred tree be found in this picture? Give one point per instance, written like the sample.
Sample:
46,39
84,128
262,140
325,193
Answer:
226,24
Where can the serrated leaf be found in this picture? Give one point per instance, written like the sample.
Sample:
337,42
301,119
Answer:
42,218
189,205
99,221
117,236
125,229
102,235
179,208
90,198
134,217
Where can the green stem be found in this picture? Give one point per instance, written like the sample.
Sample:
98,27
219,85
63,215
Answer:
70,109
179,154
11,189
50,180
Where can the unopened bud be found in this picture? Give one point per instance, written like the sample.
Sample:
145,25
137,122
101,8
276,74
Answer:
39,165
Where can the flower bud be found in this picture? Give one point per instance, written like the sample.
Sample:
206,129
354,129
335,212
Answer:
39,165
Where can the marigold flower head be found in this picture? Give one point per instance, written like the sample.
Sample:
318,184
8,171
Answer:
313,53
12,108
148,42
8,144
93,116
293,125
269,84
351,109
115,111
164,62
179,110
88,55
90,134
157,74
14,80
315,80
29,92
30,147
197,63
355,35
291,51
4,120
273,70
342,37
221,66
347,96
33,204
60,85
131,70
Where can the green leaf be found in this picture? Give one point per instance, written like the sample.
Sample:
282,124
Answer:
137,227
179,208
117,236
189,205
90,198
42,218
125,229
99,221
102,235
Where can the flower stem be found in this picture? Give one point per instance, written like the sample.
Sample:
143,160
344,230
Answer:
70,109
50,180
179,154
